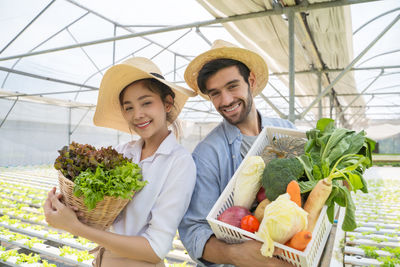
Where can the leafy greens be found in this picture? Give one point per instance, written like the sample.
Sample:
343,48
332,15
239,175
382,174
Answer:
99,172
122,181
338,154
76,158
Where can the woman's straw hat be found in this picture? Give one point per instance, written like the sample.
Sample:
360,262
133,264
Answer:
108,110
223,49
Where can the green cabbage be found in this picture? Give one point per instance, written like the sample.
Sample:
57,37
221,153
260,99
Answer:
282,219
248,181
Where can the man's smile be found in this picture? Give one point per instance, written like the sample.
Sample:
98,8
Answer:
231,108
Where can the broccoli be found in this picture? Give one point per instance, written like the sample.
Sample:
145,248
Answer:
277,175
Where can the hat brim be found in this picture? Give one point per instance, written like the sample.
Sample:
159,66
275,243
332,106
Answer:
108,110
252,60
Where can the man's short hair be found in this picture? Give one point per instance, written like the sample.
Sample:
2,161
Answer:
213,66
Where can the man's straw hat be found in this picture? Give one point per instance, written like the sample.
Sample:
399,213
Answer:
108,110
223,49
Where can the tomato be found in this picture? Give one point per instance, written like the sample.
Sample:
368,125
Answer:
249,223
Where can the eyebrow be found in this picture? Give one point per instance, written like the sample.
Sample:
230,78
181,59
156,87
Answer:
140,98
225,85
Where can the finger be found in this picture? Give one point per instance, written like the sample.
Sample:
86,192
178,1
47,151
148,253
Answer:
47,208
55,202
74,208
278,251
51,192
59,196
47,203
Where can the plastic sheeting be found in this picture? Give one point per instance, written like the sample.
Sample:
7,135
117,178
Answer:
330,29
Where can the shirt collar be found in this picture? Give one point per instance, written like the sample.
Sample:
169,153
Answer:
165,147
232,132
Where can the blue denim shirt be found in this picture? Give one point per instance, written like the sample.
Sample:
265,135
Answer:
216,157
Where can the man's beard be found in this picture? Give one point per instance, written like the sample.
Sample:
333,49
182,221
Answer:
245,112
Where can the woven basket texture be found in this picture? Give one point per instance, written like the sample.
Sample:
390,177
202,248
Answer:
102,216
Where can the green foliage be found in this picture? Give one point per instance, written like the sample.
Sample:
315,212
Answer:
99,173
76,158
122,181
337,154
388,261
81,255
23,258
67,250
82,240
378,239
66,235
45,263
32,241
395,251
7,254
370,251
277,175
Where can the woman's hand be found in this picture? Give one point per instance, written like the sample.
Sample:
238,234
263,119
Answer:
58,215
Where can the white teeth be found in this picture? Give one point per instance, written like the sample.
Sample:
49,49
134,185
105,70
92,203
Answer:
144,124
233,108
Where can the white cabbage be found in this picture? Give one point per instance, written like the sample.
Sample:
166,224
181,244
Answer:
282,219
248,181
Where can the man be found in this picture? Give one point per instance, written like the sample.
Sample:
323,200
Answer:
228,76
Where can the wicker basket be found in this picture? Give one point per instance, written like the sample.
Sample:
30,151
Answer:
102,216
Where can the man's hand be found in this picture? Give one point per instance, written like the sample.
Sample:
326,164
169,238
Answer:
247,254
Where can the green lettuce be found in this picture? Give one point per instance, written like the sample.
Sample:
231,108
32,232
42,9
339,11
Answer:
121,182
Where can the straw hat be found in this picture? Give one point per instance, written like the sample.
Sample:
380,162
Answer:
108,110
223,49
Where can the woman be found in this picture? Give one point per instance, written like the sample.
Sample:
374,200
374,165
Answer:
135,98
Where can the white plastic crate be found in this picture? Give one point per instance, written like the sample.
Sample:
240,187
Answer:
231,234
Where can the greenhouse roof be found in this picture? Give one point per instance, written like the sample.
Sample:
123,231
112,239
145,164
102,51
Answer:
56,52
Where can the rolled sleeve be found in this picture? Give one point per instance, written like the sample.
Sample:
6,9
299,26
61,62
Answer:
171,205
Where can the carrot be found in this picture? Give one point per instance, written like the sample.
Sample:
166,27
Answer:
293,189
316,201
300,240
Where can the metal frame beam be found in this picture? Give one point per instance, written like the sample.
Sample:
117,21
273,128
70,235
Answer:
365,89
275,11
45,78
336,70
8,113
122,26
80,121
43,42
106,67
327,89
27,26
291,116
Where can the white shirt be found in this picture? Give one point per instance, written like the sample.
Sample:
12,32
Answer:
156,211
